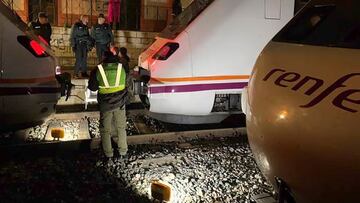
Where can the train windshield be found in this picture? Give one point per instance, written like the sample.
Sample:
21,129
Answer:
181,22
35,44
333,25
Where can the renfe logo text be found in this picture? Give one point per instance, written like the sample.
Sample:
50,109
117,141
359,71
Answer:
345,100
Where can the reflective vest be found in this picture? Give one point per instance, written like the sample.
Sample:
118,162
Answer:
111,79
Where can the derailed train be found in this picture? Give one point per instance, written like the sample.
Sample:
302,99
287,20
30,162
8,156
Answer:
201,62
30,79
303,105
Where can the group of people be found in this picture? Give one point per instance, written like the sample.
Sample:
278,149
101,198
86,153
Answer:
101,37
82,40
110,78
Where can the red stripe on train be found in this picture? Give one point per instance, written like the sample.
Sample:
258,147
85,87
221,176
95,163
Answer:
27,80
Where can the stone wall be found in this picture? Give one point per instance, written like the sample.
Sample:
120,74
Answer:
135,42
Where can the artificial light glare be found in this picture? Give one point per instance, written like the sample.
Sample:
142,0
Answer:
283,115
57,70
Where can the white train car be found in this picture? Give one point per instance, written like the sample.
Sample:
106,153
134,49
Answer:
29,89
201,62
306,142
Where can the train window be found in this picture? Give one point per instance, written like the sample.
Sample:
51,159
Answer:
33,46
299,4
166,51
324,25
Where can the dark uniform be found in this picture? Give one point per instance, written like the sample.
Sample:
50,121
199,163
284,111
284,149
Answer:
44,30
112,96
81,43
102,36
176,8
125,60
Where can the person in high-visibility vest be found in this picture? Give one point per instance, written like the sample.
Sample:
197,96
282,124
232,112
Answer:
109,78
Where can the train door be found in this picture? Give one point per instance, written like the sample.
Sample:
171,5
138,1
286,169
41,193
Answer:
273,9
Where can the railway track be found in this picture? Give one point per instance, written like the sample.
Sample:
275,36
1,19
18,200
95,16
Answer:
141,130
198,169
56,148
200,162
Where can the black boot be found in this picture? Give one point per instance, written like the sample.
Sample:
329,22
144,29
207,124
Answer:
85,75
77,76
108,161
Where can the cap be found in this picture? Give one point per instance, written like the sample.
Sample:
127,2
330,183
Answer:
101,15
42,15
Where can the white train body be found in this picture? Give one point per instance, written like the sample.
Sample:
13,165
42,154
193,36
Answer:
29,90
206,69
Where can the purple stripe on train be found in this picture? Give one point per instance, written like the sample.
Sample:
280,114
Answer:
197,87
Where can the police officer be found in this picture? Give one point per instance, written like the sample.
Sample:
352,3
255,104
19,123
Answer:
81,44
102,35
42,27
176,8
110,80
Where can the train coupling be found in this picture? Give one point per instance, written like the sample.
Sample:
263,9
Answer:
141,80
140,84
66,86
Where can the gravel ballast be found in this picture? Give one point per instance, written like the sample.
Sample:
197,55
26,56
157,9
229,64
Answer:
202,171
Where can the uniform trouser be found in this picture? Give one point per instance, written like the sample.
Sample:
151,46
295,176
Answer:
100,49
81,58
106,119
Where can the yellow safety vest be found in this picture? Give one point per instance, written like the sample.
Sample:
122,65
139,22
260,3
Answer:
111,79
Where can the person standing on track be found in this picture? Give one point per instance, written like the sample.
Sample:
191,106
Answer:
110,80
176,8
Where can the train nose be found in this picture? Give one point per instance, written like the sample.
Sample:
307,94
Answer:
296,131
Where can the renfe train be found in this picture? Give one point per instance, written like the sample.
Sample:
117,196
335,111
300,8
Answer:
201,62
303,105
29,75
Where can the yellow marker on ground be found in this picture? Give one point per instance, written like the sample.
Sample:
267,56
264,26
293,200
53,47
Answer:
57,133
160,191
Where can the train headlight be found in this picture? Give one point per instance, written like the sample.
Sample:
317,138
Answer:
57,70
166,51
283,115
